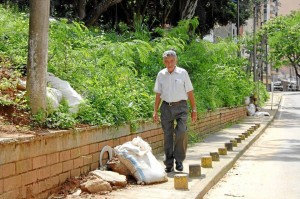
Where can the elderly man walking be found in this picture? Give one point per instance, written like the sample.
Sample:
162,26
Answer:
173,87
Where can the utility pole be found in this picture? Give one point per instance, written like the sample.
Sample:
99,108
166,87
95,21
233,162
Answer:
38,55
267,64
254,42
238,18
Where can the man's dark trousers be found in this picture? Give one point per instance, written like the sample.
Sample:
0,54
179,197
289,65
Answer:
169,114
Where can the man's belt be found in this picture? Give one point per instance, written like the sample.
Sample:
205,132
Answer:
174,103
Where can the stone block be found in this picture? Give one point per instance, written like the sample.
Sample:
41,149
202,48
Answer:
194,170
238,140
242,137
234,142
245,134
215,156
206,162
181,181
222,151
229,146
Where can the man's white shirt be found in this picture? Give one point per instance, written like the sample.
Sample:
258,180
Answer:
173,87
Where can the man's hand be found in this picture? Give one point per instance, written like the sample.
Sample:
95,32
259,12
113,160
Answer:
194,116
155,117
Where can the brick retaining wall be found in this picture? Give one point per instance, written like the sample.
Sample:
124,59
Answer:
33,167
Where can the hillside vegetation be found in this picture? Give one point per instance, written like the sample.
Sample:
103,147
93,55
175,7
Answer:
115,72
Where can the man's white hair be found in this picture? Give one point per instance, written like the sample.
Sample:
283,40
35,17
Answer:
169,53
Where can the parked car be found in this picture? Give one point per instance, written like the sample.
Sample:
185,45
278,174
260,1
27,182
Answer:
277,86
292,87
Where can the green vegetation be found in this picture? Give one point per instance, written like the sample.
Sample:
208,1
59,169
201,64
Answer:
284,40
115,73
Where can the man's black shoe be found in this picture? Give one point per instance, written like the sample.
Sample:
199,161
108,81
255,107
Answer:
179,166
169,169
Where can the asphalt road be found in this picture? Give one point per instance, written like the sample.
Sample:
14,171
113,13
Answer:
270,169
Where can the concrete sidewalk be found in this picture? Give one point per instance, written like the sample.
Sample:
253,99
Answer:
199,186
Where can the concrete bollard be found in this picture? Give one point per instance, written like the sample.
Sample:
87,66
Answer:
245,134
229,146
222,151
194,170
250,131
206,162
257,125
181,181
234,142
238,140
252,128
215,156
242,137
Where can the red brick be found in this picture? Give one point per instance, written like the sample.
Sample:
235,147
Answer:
75,153
56,169
1,186
101,145
42,185
84,150
87,159
39,162
51,182
23,166
64,156
11,194
128,138
85,169
75,172
35,188
93,148
67,166
23,191
44,194
64,176
52,158
142,135
29,177
78,162
8,169
43,173
12,183
95,166
96,157
123,140
147,134
110,143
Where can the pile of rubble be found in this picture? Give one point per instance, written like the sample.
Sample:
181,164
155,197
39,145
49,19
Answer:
97,182
131,160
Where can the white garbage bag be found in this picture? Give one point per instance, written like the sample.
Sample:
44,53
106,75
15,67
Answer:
138,158
68,93
54,97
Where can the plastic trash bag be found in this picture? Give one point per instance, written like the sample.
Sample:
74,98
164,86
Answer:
138,158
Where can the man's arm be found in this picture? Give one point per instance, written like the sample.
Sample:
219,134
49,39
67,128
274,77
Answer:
156,106
193,104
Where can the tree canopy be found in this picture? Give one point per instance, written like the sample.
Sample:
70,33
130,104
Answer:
151,13
284,40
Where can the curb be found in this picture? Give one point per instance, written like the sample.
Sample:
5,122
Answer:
229,165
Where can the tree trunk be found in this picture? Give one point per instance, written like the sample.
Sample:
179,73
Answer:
188,8
38,55
81,9
101,7
296,70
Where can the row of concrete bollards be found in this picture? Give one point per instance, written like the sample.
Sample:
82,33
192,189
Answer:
181,179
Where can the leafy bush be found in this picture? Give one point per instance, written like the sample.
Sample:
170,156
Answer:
116,73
